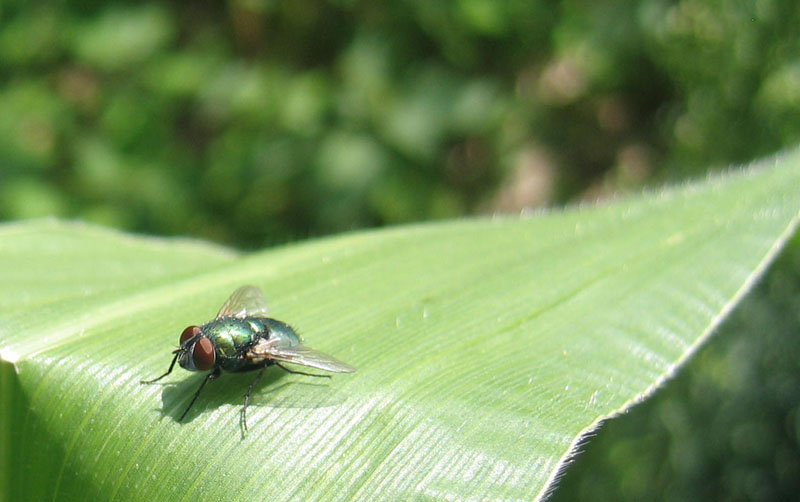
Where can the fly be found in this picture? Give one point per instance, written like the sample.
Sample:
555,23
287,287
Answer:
242,338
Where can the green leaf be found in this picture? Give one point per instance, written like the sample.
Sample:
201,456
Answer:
486,349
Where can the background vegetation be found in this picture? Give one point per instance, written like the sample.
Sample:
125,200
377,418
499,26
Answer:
254,122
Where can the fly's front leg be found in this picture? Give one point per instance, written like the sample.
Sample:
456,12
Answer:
211,376
172,365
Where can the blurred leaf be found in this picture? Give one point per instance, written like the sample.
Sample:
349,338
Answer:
182,74
244,92
30,121
781,89
486,349
123,36
349,162
305,102
29,198
477,107
31,39
484,16
420,119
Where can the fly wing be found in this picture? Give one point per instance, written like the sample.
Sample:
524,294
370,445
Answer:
278,350
247,301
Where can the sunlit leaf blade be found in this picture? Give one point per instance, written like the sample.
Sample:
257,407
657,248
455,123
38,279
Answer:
484,348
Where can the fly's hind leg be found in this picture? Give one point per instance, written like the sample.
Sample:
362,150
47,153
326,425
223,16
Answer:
243,417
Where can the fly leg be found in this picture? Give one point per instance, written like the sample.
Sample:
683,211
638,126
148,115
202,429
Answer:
243,417
165,374
211,376
284,368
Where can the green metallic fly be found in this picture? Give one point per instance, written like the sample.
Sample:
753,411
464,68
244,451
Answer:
242,338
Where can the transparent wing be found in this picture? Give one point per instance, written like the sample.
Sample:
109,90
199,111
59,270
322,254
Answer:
245,301
279,350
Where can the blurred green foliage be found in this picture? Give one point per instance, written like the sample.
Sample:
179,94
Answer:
253,122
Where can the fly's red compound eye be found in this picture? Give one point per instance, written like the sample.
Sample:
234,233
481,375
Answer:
189,333
203,354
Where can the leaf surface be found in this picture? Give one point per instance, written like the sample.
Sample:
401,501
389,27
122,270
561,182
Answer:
486,349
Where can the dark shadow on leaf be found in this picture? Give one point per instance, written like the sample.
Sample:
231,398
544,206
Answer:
277,389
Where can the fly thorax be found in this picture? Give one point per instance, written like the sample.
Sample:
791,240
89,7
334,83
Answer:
230,335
